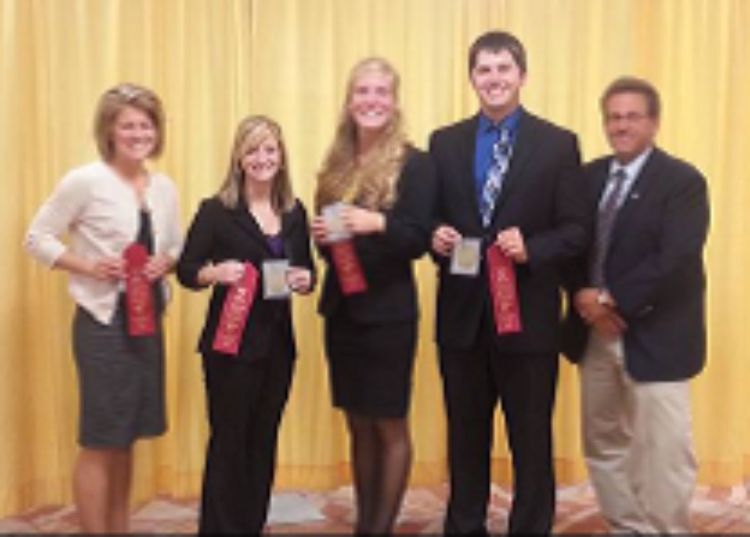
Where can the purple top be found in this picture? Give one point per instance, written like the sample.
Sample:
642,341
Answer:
276,244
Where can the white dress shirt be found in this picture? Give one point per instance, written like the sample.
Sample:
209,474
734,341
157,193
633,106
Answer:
100,213
632,169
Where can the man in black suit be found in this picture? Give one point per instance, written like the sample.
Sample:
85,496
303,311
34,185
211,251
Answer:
638,322
505,177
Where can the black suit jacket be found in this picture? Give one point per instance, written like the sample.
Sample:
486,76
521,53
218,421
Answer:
217,234
542,196
653,269
386,258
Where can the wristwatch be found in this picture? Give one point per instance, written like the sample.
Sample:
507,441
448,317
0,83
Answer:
602,298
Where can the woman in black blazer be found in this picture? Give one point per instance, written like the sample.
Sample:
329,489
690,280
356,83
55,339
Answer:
255,219
376,189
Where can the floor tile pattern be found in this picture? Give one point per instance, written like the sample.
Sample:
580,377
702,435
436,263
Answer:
713,510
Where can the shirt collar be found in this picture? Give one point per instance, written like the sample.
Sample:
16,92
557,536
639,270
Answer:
632,168
510,121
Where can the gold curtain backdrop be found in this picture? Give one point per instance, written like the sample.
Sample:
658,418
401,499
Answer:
216,61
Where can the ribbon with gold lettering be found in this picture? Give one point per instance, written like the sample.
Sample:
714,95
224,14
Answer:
139,301
348,268
502,278
237,305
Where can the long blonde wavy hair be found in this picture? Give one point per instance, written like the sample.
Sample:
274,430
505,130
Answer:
251,132
367,180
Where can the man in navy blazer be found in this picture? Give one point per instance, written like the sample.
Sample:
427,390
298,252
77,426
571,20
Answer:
539,219
637,326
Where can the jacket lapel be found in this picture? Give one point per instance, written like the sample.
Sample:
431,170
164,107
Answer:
523,149
643,183
245,221
288,225
465,155
601,174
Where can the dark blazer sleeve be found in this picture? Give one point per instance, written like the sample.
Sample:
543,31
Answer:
386,257
569,234
437,148
300,254
575,272
685,221
408,222
199,245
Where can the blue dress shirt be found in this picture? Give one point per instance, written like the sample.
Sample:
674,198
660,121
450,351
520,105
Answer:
487,134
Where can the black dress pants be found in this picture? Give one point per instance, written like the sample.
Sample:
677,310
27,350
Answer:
245,405
473,381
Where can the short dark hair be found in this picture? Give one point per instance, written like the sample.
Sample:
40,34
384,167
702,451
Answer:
631,84
496,41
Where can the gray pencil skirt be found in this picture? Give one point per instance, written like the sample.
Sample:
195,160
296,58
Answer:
121,382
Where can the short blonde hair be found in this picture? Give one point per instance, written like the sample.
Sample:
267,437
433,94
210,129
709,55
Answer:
113,101
251,133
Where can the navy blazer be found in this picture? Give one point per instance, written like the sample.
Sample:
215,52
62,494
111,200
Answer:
653,269
541,195
217,234
386,258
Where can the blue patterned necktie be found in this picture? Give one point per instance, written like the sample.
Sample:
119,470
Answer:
493,183
605,218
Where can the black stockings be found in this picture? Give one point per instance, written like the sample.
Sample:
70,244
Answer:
381,459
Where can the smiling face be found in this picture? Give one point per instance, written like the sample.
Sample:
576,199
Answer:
497,81
372,101
629,126
261,162
133,135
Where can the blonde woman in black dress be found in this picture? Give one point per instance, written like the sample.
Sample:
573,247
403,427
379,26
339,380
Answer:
385,186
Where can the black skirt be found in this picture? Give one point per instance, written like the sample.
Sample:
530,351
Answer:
370,366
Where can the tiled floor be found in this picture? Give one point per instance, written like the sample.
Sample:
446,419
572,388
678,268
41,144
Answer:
713,511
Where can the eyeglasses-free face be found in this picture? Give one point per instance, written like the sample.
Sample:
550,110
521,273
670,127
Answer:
372,101
262,162
497,80
133,135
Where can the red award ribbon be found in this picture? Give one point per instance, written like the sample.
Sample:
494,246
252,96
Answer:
502,275
348,268
234,312
139,300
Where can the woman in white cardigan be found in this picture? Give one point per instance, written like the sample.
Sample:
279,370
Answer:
104,207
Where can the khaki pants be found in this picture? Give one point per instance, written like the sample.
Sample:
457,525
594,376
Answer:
637,442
